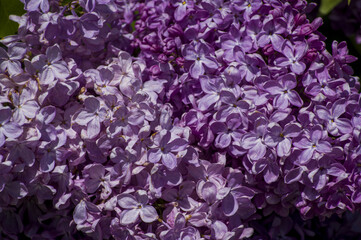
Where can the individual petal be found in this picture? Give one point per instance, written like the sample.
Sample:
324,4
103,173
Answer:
272,173
248,141
177,145
53,53
47,76
258,151
17,51
60,70
169,160
96,171
80,213
84,117
338,108
316,134
12,130
129,216
13,67
30,109
287,49
282,62
294,98
136,118
273,87
292,130
93,127
323,113
304,143
92,104
298,67
294,175
344,125
196,69
47,162
229,205
223,140
207,101
277,40
92,185
281,101
33,5
2,138
284,148
306,155
218,230
263,39
209,192
210,63
148,214
218,127
180,12
127,201
154,155
323,147
170,195
44,6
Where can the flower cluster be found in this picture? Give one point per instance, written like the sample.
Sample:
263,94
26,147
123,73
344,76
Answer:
168,119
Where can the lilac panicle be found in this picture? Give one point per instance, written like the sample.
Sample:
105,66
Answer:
176,120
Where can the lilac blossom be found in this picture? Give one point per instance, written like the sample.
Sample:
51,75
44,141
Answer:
293,55
254,141
212,88
199,55
91,116
7,128
135,207
176,119
227,132
33,5
283,91
9,61
165,148
272,31
51,66
335,124
25,106
282,138
235,41
315,143
182,8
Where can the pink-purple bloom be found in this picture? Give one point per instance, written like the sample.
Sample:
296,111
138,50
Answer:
174,119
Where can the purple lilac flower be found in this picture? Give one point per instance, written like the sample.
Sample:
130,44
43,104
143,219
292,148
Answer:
335,125
254,141
283,91
293,55
91,116
25,106
199,54
7,128
135,207
165,148
9,61
176,119
315,143
51,66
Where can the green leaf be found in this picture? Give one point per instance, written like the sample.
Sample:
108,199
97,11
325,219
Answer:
349,2
7,8
327,6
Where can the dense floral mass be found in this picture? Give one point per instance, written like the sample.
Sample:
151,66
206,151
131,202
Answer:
169,119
